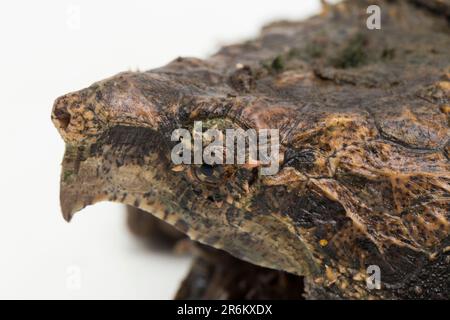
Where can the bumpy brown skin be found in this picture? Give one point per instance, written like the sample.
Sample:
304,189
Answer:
364,124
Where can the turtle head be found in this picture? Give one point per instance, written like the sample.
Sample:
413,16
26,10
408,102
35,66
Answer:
122,144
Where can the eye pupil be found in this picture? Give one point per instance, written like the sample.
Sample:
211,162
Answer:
207,170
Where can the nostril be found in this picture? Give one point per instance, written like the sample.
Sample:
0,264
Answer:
74,117
63,118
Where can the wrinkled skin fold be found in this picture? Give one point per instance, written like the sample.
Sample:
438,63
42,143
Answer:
364,176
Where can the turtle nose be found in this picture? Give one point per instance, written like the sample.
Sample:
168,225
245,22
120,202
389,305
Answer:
76,116
128,98
60,115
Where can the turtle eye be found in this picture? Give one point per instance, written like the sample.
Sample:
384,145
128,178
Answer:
207,170
209,173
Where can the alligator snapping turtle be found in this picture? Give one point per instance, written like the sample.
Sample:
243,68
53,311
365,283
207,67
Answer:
364,178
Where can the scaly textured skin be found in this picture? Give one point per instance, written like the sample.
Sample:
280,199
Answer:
364,126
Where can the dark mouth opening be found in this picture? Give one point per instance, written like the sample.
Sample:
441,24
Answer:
216,275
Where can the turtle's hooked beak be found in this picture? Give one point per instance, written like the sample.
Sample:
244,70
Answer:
81,184
84,117
79,119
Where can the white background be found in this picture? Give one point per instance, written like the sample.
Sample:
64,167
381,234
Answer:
48,48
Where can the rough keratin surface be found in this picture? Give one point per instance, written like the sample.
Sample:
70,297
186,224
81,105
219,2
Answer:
364,123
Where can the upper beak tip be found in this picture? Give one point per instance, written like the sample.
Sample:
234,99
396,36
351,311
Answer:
67,215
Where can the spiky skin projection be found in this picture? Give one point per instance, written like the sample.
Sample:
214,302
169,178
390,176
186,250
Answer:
364,175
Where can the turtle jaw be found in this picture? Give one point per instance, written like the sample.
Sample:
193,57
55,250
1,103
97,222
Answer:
91,121
90,176
149,184
80,184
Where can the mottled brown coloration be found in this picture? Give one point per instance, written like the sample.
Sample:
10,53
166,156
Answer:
364,123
